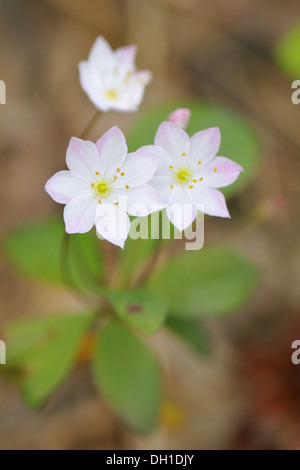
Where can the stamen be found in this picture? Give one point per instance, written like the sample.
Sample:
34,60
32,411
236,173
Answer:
122,174
199,163
118,169
194,181
183,154
171,166
215,169
191,186
97,173
126,186
92,185
100,202
200,179
115,177
171,186
116,203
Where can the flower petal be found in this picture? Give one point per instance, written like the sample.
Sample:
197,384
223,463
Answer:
112,148
125,57
65,185
205,145
180,210
141,201
164,159
131,91
92,82
162,184
112,224
83,158
79,214
174,140
213,201
101,55
137,170
219,172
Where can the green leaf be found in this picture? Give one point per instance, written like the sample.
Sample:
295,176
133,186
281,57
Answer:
44,349
138,308
128,375
39,250
192,333
287,53
239,141
211,281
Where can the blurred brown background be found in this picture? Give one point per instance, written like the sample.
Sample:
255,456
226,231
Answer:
247,394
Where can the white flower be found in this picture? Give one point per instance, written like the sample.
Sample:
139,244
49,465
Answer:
103,184
188,173
110,78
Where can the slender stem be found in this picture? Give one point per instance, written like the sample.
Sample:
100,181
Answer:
64,262
151,265
91,124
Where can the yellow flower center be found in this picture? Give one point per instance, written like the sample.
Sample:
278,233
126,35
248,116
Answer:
111,95
183,176
103,188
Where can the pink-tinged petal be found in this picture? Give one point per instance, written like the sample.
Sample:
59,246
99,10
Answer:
181,117
112,148
205,145
173,140
65,185
180,210
212,199
125,56
83,158
112,224
219,172
79,214
137,170
141,201
101,55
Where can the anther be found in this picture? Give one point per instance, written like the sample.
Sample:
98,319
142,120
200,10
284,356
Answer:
118,169
97,173
127,187
171,166
122,174
191,186
199,163
92,185
215,169
183,154
171,186
200,179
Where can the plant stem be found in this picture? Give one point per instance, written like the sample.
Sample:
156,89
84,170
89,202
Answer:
91,124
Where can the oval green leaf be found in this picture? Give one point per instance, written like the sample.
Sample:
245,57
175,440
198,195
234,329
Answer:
128,375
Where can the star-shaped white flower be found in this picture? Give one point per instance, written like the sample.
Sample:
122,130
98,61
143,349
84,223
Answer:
189,172
103,185
110,78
